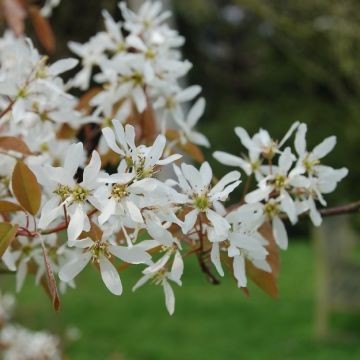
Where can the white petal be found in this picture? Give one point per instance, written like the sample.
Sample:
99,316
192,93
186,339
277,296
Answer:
21,274
225,180
232,160
196,112
169,159
324,147
300,140
244,137
107,211
188,94
110,140
133,211
158,265
139,99
141,281
293,127
239,271
177,268
189,221
110,276
220,224
132,255
258,195
50,211
206,173
314,213
192,175
76,224
70,270
288,205
169,297
215,258
73,158
285,160
62,65
92,170
155,152
280,233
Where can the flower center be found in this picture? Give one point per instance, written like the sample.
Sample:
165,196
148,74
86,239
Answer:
99,248
271,209
119,191
63,191
150,54
279,181
201,203
170,102
79,194
309,164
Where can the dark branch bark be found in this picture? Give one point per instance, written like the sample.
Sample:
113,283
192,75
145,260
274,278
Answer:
351,208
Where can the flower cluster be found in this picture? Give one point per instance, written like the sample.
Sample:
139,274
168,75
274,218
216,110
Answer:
123,195
17,342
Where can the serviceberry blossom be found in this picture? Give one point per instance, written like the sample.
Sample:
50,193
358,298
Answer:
204,199
100,251
70,195
101,180
18,342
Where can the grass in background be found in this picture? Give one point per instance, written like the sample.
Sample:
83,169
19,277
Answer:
210,322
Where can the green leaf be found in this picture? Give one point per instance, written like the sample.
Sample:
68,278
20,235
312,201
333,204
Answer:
26,188
7,235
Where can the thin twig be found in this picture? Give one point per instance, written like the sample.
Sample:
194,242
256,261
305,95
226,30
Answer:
63,225
350,208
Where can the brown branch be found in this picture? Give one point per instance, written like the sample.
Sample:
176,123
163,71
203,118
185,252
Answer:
8,108
201,257
64,225
350,208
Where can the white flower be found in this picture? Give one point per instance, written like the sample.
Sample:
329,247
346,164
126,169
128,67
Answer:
91,53
244,242
202,198
100,251
160,275
121,196
281,182
323,179
187,134
148,17
67,192
142,160
170,103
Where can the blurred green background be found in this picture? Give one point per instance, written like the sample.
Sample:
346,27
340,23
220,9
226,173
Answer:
261,63
210,322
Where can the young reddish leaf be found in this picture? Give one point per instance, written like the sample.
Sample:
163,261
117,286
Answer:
26,188
84,101
51,283
266,281
94,234
66,132
15,144
7,235
148,125
8,206
190,148
14,14
194,151
43,29
109,158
